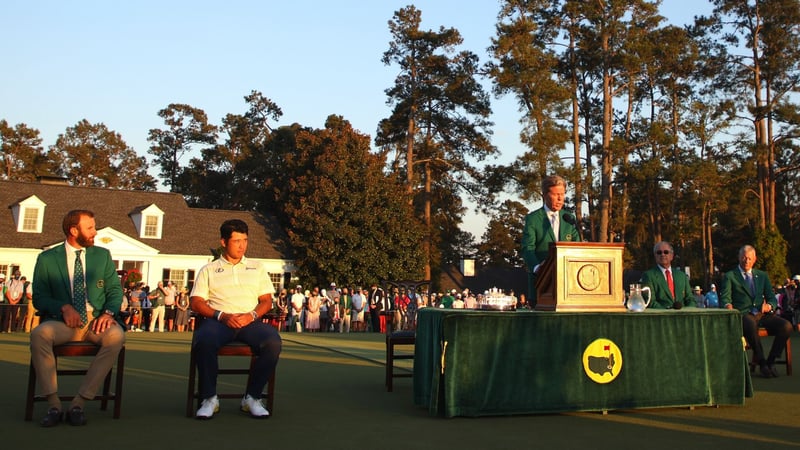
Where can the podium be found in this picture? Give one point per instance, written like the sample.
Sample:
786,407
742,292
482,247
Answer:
581,276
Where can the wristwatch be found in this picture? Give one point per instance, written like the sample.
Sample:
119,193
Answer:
108,311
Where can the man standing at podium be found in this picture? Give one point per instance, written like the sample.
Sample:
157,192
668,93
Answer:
545,225
669,288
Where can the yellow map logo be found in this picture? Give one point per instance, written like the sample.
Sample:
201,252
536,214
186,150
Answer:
602,361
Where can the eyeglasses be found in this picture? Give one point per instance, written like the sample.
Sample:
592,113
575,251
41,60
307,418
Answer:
662,252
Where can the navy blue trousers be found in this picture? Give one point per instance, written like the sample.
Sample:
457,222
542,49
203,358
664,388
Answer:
210,335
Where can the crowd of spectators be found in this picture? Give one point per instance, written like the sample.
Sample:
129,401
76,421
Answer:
334,309
343,309
165,308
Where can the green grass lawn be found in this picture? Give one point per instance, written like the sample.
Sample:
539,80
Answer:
330,394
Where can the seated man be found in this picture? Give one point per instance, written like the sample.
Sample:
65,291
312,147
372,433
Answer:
750,291
89,312
231,294
669,288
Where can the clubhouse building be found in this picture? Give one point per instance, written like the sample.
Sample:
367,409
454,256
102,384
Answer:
154,233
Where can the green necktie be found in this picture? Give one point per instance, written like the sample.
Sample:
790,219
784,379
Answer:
78,288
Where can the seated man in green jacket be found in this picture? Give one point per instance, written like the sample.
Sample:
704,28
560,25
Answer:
668,288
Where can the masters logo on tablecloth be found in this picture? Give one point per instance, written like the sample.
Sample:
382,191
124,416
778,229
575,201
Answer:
602,361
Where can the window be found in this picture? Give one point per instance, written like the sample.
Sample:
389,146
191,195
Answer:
179,277
151,226
30,220
29,215
149,222
277,281
190,279
133,265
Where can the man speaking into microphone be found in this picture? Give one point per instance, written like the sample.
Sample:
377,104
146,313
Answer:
547,224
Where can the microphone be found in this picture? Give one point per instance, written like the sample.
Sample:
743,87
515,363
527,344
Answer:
569,218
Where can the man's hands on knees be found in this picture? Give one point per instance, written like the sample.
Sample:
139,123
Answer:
102,323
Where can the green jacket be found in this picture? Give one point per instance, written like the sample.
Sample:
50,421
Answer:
660,296
538,234
735,291
52,287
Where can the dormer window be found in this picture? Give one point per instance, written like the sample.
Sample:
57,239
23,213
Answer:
151,226
29,215
149,222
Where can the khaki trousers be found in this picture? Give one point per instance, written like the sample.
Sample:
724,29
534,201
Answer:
53,332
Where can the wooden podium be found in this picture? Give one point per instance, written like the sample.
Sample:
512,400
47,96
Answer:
581,276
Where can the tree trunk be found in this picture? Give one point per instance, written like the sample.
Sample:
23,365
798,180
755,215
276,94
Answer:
606,163
426,242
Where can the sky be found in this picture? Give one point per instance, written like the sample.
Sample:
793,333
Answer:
119,63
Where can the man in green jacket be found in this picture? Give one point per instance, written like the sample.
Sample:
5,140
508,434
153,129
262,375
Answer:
750,291
669,288
548,224
78,294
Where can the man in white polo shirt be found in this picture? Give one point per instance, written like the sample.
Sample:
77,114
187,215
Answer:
231,294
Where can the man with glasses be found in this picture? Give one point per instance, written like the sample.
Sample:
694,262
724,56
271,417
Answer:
669,288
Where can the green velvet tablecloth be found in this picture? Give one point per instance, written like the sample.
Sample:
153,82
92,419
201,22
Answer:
524,362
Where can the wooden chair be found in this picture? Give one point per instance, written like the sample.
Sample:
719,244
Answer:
232,349
787,361
400,337
393,339
80,349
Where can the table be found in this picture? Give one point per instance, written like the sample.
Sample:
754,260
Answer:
477,363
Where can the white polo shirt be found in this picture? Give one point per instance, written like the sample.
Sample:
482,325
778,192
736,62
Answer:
232,288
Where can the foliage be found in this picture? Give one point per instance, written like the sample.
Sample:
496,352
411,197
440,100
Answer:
771,249
499,245
347,221
92,155
439,121
187,126
525,66
652,107
226,176
131,277
21,155
683,134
